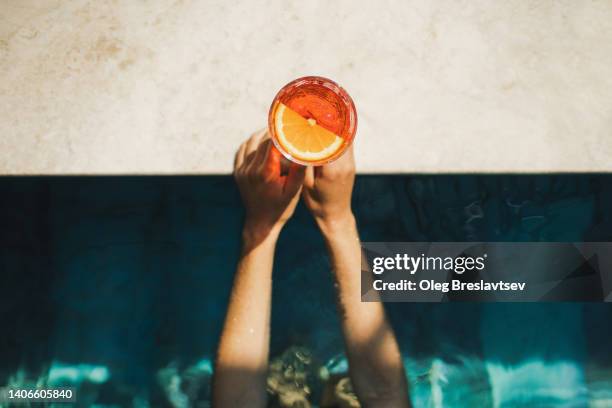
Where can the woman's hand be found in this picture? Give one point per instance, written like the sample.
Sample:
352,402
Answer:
269,198
327,191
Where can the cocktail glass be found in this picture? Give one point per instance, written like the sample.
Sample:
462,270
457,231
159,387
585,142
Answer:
312,121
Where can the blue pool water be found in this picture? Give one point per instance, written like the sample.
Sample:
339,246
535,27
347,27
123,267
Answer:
120,284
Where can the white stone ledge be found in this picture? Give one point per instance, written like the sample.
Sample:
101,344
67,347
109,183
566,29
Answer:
167,87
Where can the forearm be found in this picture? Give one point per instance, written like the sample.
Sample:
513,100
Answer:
242,360
376,366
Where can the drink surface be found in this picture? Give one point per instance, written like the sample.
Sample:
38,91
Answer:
312,121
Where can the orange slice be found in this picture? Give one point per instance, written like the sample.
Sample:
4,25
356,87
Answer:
303,138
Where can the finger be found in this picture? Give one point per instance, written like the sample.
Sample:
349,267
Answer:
254,141
262,150
250,166
309,177
239,157
295,178
345,163
285,165
272,163
350,152
347,160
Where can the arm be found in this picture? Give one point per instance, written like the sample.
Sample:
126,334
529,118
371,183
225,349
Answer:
269,199
376,367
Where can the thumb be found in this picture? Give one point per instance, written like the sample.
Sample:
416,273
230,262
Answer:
295,178
309,178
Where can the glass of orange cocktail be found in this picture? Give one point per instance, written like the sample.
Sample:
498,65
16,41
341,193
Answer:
312,121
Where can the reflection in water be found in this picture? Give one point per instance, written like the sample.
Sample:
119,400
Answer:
296,379
552,383
61,373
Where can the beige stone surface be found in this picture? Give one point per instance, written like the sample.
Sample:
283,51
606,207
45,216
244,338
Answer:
173,86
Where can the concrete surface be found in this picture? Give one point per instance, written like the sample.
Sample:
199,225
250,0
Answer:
134,86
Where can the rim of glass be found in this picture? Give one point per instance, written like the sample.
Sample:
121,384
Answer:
338,90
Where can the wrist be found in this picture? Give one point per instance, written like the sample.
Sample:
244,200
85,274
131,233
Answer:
340,224
255,233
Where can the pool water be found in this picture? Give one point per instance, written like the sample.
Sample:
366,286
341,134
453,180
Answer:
119,285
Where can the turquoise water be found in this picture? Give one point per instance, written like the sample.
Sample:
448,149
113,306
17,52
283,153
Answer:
119,286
